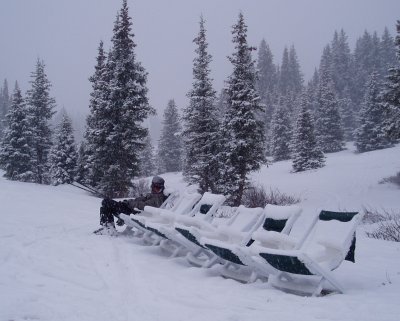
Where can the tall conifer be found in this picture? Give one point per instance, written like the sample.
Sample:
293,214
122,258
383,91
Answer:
201,125
16,147
63,154
243,136
170,143
41,109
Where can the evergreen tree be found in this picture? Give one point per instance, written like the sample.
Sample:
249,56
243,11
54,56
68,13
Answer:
170,143
369,135
306,152
40,107
16,147
63,154
123,107
95,150
284,74
391,95
82,164
280,133
312,91
296,77
267,78
243,137
341,62
387,52
221,105
4,106
348,115
201,125
366,60
328,124
147,163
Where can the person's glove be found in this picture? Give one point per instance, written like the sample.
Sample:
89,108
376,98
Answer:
120,222
124,208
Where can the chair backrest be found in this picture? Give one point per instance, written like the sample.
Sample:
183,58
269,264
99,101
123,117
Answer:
333,232
172,199
280,218
185,203
245,219
207,206
242,225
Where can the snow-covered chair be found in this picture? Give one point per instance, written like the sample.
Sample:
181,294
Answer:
306,267
243,221
176,204
229,244
201,214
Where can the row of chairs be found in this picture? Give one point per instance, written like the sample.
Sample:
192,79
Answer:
254,243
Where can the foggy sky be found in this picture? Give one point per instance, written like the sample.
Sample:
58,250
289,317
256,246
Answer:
66,34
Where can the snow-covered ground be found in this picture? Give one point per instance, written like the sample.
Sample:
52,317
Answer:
53,268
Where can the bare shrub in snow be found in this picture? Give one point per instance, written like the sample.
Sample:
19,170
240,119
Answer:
258,196
395,179
387,225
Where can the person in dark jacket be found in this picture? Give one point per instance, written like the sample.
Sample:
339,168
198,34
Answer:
110,208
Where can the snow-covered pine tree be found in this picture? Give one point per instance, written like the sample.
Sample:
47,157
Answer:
124,107
391,95
201,125
312,91
41,109
328,123
96,133
366,60
284,74
387,53
63,154
369,135
4,106
267,79
221,105
243,136
82,168
306,152
348,115
341,62
170,142
147,164
16,148
296,77
281,132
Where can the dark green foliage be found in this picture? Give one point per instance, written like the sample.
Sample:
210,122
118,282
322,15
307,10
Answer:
242,135
328,123
170,143
391,95
147,163
201,124
118,106
306,151
16,149
40,109
63,154
281,133
4,106
370,135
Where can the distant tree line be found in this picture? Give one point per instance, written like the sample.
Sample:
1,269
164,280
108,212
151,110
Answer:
265,112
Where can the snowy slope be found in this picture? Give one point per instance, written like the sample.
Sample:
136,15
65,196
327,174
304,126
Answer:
53,268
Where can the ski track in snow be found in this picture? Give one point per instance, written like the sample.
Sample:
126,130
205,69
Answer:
53,268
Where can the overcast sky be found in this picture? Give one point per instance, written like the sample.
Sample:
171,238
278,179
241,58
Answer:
66,34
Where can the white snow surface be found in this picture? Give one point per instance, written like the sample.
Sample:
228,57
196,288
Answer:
53,268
